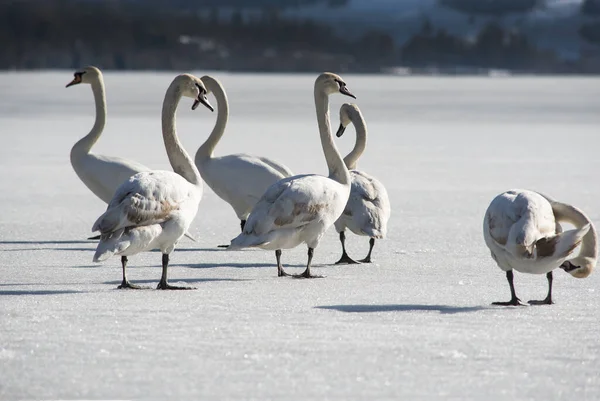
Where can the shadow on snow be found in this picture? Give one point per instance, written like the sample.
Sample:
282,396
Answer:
444,309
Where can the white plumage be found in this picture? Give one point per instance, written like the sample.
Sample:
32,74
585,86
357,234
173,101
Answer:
523,232
238,179
301,208
368,209
101,174
154,209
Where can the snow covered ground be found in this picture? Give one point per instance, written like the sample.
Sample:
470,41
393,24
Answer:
416,324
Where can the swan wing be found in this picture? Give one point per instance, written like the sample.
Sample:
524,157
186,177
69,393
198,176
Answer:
146,198
280,168
240,179
290,203
368,206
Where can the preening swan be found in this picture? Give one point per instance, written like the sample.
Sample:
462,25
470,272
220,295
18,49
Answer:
238,179
522,229
301,208
154,209
368,209
101,174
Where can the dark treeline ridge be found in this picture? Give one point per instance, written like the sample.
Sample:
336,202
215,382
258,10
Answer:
124,35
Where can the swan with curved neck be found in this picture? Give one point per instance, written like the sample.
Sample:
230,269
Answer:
238,179
523,232
154,209
101,174
368,209
299,209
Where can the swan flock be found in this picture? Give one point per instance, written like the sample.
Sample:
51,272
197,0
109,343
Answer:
277,209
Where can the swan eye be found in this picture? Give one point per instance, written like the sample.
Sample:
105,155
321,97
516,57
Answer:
200,89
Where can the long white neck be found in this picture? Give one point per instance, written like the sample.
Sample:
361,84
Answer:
84,145
588,253
337,168
205,151
571,214
361,141
178,157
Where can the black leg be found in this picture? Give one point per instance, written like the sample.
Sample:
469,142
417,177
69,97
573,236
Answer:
280,272
548,299
514,301
306,273
95,236
125,283
345,258
368,258
163,284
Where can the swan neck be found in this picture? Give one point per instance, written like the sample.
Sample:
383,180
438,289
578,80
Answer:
361,142
206,150
335,163
84,145
178,157
588,253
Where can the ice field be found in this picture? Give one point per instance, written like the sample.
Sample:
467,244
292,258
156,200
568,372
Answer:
417,324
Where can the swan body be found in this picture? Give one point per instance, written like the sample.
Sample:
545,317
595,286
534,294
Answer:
154,209
238,179
368,209
299,209
523,232
101,174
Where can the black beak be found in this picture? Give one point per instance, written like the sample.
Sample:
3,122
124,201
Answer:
568,266
345,91
202,99
340,131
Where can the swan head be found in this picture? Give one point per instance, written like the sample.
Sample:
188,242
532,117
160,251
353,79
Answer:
86,76
348,112
579,267
331,83
193,87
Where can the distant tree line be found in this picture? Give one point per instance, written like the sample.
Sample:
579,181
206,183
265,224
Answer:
494,46
130,34
590,30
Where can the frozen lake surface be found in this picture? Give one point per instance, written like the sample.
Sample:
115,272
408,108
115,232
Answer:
416,324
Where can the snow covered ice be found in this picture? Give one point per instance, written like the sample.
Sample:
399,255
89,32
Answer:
415,324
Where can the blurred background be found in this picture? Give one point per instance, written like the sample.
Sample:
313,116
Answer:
371,36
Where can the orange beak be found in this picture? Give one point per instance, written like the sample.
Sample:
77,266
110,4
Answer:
75,81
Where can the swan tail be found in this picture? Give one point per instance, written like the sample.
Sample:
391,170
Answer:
188,235
109,245
373,232
246,241
561,245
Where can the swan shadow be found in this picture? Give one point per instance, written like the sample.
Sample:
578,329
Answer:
178,280
44,242
39,292
200,250
443,309
46,249
235,265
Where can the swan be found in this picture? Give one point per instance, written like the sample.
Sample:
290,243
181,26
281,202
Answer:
521,228
301,208
238,179
101,174
368,209
153,209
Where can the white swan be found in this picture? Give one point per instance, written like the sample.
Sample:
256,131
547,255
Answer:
521,228
101,174
301,208
154,209
238,179
368,209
